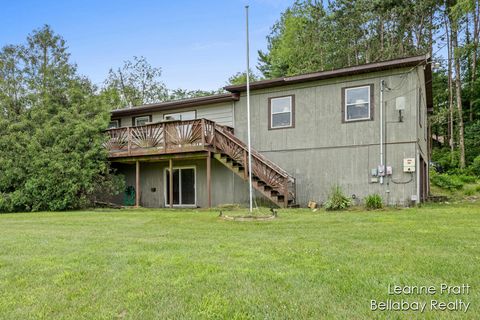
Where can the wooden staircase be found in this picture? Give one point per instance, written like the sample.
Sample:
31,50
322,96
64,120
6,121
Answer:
274,183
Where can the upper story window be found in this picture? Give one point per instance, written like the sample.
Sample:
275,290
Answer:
281,111
357,103
186,115
114,124
142,120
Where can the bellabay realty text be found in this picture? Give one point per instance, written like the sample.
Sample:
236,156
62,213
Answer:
450,301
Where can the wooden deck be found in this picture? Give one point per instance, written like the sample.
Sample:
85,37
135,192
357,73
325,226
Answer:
199,138
171,137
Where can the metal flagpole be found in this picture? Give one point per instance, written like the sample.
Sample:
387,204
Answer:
248,122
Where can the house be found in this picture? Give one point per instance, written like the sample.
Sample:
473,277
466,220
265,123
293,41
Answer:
363,128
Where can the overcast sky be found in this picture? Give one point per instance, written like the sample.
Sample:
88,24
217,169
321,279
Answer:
198,44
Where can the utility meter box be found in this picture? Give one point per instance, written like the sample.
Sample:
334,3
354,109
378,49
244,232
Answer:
409,165
381,171
389,171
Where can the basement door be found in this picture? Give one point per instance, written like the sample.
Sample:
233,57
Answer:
184,191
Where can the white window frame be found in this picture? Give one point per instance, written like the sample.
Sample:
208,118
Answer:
166,196
352,104
180,113
272,113
141,117
114,121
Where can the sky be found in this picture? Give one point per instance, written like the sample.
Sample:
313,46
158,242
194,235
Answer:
198,44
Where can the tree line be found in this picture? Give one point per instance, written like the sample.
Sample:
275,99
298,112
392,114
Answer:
52,118
318,35
52,121
51,129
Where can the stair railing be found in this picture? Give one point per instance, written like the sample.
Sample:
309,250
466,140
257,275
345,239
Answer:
263,168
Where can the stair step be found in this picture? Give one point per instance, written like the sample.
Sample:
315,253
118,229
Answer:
266,190
293,205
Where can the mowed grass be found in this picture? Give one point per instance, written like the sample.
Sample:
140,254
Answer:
189,264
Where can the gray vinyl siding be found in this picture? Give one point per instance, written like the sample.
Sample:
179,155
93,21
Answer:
322,151
221,113
227,187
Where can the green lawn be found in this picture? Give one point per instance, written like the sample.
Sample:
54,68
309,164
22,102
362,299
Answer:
162,264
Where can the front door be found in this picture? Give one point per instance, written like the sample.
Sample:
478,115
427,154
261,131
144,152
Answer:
183,187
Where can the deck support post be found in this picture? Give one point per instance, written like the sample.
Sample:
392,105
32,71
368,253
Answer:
137,184
170,195
209,179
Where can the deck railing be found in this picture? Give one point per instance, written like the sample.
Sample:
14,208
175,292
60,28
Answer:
196,135
158,138
262,168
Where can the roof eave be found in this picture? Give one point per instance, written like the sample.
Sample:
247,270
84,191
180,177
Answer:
177,104
372,67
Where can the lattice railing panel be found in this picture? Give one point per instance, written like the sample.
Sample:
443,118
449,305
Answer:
183,133
148,136
117,140
269,175
230,148
209,131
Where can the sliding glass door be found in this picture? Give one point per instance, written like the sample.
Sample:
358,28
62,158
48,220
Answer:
183,187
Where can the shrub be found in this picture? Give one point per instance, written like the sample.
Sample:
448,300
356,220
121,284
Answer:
337,200
444,159
458,171
475,166
477,188
472,144
467,178
469,192
445,181
373,201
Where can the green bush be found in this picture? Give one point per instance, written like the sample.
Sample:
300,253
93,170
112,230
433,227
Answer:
467,178
445,158
446,181
475,166
337,200
472,144
373,201
469,191
457,171
477,188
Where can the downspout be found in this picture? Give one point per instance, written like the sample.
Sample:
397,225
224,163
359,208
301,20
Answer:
382,165
417,145
417,170
234,132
